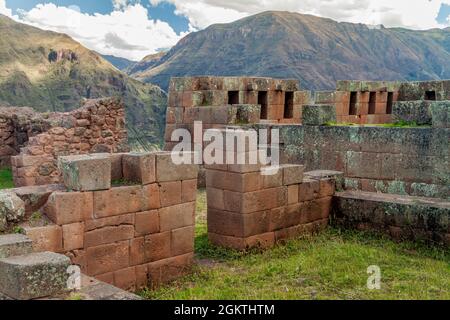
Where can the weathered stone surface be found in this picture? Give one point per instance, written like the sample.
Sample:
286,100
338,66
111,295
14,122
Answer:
317,115
440,112
86,172
167,170
36,196
92,289
418,218
292,174
14,245
139,167
412,111
12,209
34,275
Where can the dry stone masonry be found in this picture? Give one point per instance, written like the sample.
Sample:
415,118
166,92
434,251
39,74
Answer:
32,142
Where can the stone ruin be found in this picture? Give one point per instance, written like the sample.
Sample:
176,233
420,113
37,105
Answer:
133,222
31,141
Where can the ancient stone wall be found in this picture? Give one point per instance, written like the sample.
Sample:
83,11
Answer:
402,218
247,209
372,102
99,126
17,125
126,219
214,101
414,161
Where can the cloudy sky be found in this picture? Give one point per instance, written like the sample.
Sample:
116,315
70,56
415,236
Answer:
135,28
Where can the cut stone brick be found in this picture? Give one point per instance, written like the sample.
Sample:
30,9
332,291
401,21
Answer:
255,201
48,238
170,193
108,235
86,172
69,207
292,174
125,279
35,275
73,236
151,197
308,190
107,258
167,170
35,197
318,115
118,201
139,167
182,241
14,245
116,166
157,246
175,217
189,190
166,270
147,222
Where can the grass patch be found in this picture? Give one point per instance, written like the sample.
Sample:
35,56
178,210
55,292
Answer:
331,265
6,179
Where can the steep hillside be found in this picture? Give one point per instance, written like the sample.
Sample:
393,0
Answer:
51,72
315,50
119,63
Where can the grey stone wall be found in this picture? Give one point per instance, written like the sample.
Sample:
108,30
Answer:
409,161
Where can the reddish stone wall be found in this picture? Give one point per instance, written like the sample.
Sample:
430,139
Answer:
247,209
99,126
130,236
213,100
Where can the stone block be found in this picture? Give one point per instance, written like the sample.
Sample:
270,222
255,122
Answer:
255,201
86,172
440,112
308,190
157,246
167,170
170,193
73,236
14,245
12,209
48,238
189,190
151,197
33,276
293,194
125,279
108,235
182,241
107,258
262,241
318,115
292,174
118,201
147,222
248,113
166,270
236,224
177,216
139,167
116,166
412,111
69,207
35,197
125,219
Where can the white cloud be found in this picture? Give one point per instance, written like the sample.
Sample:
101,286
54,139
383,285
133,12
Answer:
418,14
4,10
125,32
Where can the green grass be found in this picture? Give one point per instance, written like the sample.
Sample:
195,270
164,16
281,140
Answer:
331,265
6,179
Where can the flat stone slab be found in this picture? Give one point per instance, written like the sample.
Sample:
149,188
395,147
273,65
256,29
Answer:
323,174
90,172
15,245
34,275
35,197
93,289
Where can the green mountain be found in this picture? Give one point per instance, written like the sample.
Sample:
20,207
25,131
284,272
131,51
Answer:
51,72
317,51
119,63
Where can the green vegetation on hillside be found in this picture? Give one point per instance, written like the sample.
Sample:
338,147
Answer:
51,72
6,179
331,265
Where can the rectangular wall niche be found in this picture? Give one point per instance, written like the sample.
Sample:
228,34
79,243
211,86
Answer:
289,105
233,97
372,102
353,101
262,100
430,95
390,102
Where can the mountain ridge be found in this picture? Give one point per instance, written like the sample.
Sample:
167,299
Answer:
50,71
317,51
